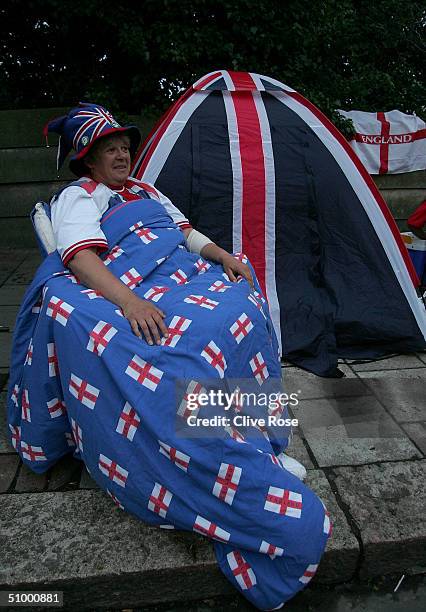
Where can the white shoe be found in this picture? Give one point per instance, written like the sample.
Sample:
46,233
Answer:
292,466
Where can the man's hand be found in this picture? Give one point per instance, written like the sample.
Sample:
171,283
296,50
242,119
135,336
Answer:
234,268
144,315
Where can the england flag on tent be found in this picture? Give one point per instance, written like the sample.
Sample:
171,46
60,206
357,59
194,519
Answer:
389,143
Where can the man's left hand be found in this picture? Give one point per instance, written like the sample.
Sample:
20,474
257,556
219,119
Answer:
235,268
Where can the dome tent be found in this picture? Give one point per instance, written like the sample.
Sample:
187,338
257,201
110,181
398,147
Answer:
259,169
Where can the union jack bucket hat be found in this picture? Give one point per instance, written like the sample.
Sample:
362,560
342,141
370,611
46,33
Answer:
81,128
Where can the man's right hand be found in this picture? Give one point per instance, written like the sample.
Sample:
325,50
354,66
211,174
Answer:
145,316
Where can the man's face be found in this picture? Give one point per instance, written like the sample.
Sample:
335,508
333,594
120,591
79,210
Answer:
110,162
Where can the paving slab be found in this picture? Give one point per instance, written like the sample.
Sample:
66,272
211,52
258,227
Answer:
8,316
29,482
342,552
11,295
417,433
86,481
395,374
3,379
67,471
422,357
298,451
391,363
8,468
405,401
10,259
79,542
5,445
309,386
5,348
387,503
24,273
352,431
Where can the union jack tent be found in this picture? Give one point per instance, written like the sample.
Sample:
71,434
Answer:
260,170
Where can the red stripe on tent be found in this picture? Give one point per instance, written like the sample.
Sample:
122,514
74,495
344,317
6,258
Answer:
384,148
207,80
253,182
242,81
367,178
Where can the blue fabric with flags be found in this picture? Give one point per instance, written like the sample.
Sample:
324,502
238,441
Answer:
82,382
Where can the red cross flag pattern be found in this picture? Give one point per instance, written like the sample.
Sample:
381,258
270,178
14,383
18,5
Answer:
176,328
159,500
283,501
202,301
92,294
201,266
26,411
214,356
83,391
59,310
113,255
15,435
15,395
309,573
242,571
128,422
259,368
155,293
131,278
226,483
115,472
144,373
52,359
241,328
194,388
179,277
209,529
29,356
271,550
181,460
56,408
77,435
115,499
219,287
100,336
32,453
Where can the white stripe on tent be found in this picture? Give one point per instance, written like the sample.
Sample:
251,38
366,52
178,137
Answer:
270,208
237,173
367,200
206,76
228,81
259,85
274,82
142,154
171,134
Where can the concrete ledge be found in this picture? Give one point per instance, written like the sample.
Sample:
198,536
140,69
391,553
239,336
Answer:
78,542
99,556
387,502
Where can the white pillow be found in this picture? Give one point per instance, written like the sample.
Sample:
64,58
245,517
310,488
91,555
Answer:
43,227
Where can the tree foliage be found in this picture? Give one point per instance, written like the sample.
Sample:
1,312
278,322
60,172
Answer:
350,54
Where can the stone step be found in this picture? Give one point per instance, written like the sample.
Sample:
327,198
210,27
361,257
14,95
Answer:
80,543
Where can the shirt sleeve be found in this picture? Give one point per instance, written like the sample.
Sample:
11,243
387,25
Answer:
177,216
76,223
418,217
